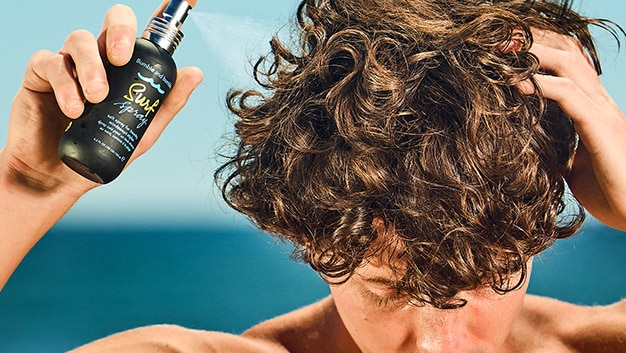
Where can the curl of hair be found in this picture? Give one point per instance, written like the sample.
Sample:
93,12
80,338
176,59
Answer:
406,111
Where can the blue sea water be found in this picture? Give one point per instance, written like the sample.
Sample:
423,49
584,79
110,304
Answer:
80,283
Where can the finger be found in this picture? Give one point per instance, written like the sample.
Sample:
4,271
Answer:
585,111
572,64
566,92
118,33
159,11
526,87
561,53
52,72
565,56
558,41
188,79
82,48
561,62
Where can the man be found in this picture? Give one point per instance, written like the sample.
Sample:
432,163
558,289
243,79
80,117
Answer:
413,151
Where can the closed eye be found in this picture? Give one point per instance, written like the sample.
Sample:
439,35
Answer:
384,300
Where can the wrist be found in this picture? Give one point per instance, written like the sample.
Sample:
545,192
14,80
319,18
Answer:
30,204
56,183
32,201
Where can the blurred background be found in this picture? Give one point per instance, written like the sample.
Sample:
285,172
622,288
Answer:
158,245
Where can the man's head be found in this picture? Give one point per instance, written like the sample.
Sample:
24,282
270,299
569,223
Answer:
396,127
379,319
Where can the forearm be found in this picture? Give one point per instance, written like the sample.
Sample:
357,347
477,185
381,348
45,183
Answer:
597,176
28,208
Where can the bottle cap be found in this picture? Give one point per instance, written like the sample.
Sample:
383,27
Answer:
165,31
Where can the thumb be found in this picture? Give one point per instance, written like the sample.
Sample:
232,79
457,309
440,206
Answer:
188,79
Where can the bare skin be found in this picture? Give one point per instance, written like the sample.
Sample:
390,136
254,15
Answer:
543,325
362,315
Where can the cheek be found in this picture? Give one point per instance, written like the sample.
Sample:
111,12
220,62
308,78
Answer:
374,329
493,321
497,314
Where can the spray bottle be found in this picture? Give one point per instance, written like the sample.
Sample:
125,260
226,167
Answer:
99,143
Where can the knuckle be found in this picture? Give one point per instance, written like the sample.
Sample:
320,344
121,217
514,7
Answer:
41,56
79,36
37,69
54,66
568,59
567,85
575,43
46,63
56,60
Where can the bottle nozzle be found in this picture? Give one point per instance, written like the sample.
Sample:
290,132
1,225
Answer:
176,13
165,31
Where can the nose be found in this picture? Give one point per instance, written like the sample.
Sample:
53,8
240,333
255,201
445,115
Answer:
446,344
441,342
444,331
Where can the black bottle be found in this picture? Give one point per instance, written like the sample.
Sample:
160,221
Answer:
99,143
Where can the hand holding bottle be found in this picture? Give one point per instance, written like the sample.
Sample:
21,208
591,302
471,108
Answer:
36,188
101,142
54,88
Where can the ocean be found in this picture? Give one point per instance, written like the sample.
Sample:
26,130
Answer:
80,283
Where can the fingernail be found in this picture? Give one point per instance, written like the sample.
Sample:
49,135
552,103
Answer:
95,90
74,109
119,51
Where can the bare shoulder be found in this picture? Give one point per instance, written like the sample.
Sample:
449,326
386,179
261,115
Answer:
575,328
176,339
599,328
305,330
312,329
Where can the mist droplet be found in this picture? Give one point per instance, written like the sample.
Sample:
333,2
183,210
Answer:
236,41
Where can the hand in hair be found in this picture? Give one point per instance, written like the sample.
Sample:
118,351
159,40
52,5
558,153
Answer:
598,168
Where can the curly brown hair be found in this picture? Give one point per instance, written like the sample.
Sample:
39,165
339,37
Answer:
406,112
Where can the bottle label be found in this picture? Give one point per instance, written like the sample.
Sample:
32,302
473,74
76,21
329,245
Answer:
133,109
99,144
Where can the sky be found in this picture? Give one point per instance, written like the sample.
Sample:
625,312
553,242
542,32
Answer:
173,182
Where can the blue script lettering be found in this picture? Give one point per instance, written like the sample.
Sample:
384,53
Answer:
127,107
